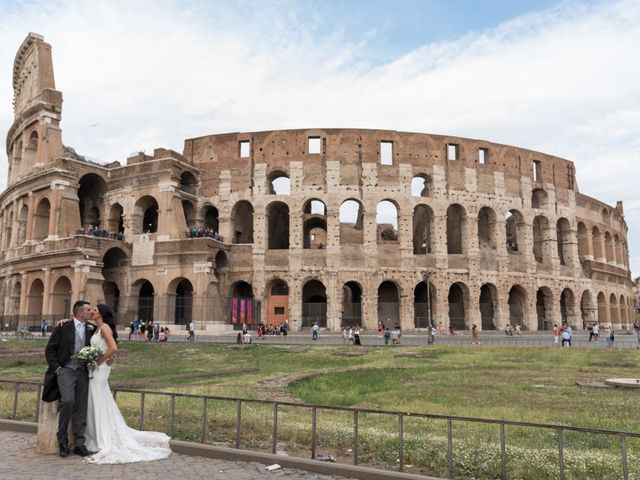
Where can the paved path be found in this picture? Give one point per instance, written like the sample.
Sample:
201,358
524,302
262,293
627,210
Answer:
20,461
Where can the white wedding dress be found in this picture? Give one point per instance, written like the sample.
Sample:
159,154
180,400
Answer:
107,433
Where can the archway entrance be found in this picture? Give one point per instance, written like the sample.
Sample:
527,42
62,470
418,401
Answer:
388,304
278,303
488,293
457,307
544,299
351,305
314,304
517,306
242,306
61,299
184,303
146,302
424,303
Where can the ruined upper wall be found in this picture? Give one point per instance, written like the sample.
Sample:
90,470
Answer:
355,147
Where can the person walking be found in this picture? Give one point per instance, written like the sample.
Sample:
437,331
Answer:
610,337
596,331
314,331
556,333
567,333
386,335
344,335
636,328
475,335
192,331
350,340
43,327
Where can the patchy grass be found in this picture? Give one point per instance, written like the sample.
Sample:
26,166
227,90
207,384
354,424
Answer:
535,384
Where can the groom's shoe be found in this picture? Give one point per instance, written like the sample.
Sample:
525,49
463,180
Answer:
64,450
82,451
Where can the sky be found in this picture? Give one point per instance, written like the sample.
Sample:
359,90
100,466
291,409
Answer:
561,77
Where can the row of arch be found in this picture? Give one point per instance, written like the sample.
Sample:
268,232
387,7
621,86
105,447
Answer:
601,245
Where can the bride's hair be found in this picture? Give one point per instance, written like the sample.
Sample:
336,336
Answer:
107,317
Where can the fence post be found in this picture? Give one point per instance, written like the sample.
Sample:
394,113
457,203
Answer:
503,453
313,431
355,437
15,401
561,452
141,411
274,441
172,411
625,466
204,420
401,440
450,447
238,421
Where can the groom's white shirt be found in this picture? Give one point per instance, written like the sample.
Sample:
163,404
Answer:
79,328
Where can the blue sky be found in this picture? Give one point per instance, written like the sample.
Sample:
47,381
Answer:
557,77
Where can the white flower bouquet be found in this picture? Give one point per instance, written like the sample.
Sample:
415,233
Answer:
88,356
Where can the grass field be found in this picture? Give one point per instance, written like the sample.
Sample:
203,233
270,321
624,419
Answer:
524,384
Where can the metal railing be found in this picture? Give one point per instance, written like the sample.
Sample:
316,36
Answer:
559,430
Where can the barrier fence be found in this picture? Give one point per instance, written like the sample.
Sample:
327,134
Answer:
238,420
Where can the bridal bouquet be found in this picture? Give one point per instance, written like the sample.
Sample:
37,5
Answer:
88,356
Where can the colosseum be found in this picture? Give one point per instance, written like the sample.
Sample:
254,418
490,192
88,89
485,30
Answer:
335,226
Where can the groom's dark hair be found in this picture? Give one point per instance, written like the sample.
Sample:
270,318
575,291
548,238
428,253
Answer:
78,305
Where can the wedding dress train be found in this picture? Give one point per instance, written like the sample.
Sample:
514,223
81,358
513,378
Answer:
107,433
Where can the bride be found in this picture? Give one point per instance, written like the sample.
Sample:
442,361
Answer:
107,433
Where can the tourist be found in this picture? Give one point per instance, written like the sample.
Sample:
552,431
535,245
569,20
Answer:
356,337
314,331
429,334
344,335
150,331
136,330
246,338
556,333
596,331
636,327
156,331
451,330
43,327
143,331
387,335
610,337
162,336
474,335
350,335
440,328
567,333
192,331
518,329
380,328
239,338
130,330
166,334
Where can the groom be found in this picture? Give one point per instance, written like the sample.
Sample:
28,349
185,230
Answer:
67,380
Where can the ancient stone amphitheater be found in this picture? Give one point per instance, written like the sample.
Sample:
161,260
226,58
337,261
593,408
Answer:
335,226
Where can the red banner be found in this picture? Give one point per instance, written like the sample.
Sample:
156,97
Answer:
234,311
249,308
242,305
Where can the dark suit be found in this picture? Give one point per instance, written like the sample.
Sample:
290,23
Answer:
70,385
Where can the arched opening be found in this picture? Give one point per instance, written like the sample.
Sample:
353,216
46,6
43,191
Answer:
598,250
488,303
278,303
424,303
114,258
243,308
14,299
22,224
540,230
189,212
617,250
608,245
183,302
314,304
387,221
563,234
279,183
606,218
603,316
146,296
351,222
242,222
388,304
614,313
514,226
458,298
351,305
61,299
221,265
115,223
456,229
41,220
544,302
111,293
583,241
420,185
422,229
487,229
538,198
34,299
188,183
517,306
314,225
211,218
586,310
278,222
568,306
91,191
146,214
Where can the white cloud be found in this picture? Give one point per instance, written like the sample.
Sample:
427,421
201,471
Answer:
563,81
